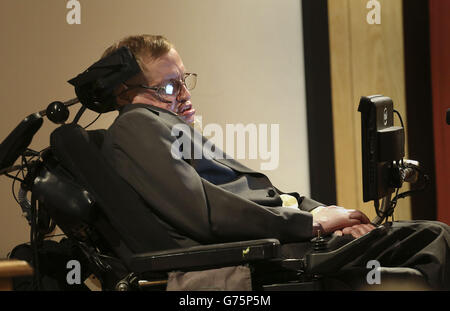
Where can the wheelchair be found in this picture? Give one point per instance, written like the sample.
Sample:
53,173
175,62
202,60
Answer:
122,242
111,231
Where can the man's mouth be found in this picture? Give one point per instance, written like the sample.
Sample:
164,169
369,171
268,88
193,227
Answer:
186,110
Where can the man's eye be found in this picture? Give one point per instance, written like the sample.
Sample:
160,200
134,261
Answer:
169,89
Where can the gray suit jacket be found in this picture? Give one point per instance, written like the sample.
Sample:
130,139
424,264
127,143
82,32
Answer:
198,200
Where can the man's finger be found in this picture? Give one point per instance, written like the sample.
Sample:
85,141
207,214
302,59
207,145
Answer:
369,227
347,230
356,234
360,216
338,233
354,222
359,230
362,229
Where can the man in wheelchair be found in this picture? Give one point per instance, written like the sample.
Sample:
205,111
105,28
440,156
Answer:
140,205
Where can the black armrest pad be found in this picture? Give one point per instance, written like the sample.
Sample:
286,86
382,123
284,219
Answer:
206,256
332,261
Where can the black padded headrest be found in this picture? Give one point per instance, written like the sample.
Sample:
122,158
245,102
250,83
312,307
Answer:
96,85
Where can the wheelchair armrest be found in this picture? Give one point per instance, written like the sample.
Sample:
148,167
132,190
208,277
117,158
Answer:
332,261
206,256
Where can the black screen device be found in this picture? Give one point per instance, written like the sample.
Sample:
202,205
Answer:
95,86
383,145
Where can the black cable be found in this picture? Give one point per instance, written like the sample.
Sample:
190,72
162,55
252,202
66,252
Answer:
425,181
78,115
402,195
24,165
92,121
377,208
14,177
403,126
410,192
33,220
400,117
13,184
33,243
391,210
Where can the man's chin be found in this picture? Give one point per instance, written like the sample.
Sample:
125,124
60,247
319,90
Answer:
188,115
190,120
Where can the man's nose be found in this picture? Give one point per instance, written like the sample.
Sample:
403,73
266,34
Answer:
184,94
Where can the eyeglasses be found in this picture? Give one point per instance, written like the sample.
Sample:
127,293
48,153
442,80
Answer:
172,88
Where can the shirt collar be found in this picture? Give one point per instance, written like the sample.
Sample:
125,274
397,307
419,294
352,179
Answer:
155,109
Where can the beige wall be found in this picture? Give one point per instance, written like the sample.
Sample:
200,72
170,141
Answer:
248,54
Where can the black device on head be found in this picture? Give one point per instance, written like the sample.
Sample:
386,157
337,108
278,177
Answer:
95,86
95,90
383,149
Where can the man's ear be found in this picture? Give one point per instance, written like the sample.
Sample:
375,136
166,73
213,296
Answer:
122,95
121,89
126,91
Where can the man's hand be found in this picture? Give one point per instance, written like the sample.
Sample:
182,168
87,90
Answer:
341,221
356,231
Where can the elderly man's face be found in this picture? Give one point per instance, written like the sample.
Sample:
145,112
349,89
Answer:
157,72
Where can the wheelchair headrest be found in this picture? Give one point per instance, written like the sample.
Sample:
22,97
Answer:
95,86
